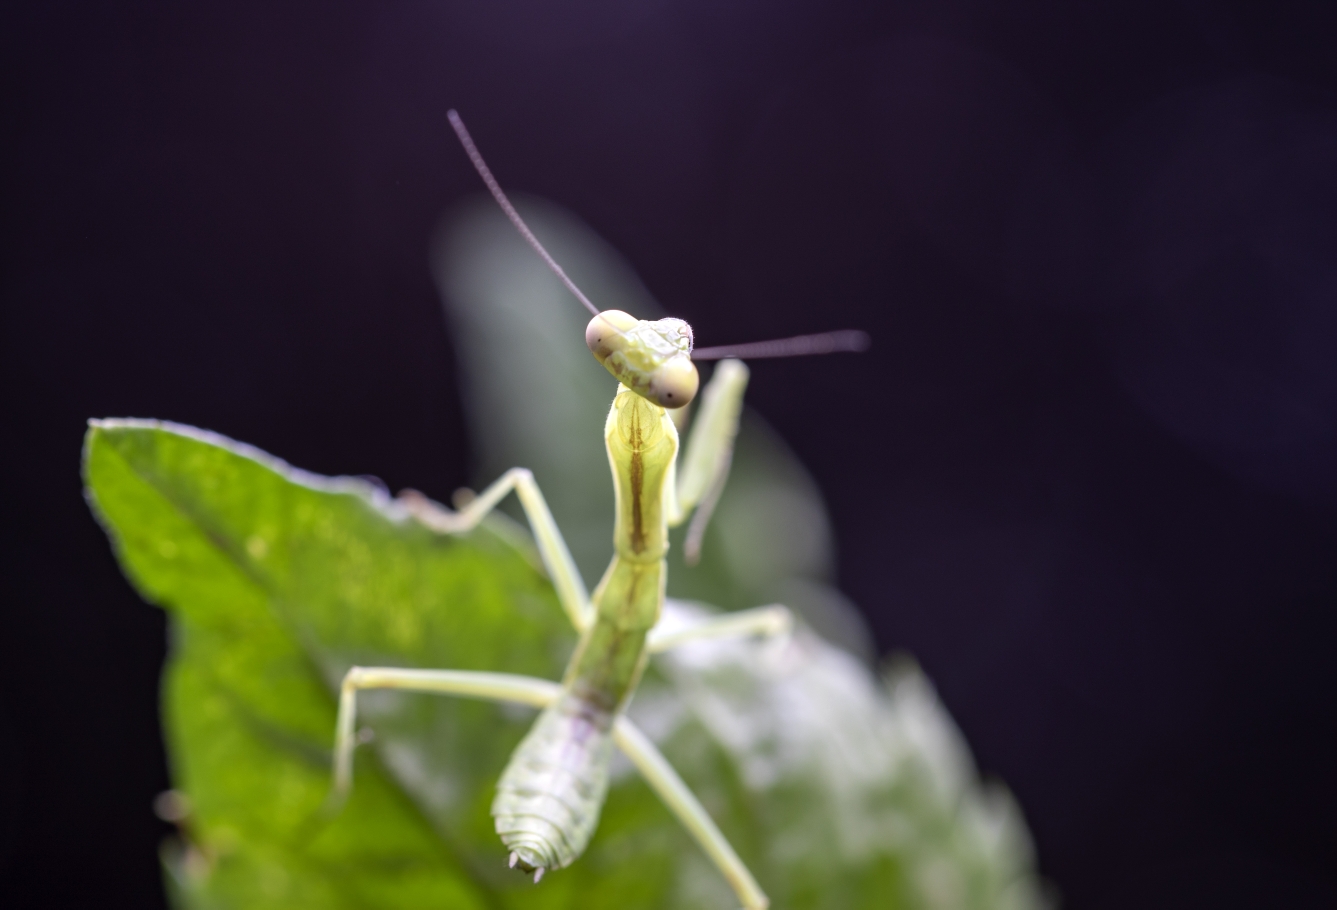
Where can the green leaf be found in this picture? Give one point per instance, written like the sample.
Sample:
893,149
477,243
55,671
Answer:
837,792
278,581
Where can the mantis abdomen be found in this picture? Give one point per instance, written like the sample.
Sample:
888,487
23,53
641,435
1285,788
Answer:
549,797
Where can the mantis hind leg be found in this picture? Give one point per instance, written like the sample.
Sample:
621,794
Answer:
469,684
551,545
661,777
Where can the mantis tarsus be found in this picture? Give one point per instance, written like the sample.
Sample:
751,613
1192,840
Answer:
550,795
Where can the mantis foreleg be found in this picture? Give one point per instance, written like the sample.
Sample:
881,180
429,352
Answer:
770,620
705,465
526,690
552,547
661,777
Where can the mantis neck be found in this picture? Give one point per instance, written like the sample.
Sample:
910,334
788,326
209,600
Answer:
642,447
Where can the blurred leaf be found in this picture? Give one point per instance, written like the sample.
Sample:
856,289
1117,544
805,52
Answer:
536,398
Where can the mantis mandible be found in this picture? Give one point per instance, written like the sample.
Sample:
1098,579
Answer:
551,792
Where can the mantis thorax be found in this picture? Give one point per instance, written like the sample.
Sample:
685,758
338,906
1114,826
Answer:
642,445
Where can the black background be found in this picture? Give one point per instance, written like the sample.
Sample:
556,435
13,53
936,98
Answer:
1087,475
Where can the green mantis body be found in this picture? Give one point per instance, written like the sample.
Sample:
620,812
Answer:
551,792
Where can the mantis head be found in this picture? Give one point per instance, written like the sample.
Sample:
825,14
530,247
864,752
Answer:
653,359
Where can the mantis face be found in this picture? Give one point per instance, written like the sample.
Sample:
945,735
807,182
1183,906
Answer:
653,359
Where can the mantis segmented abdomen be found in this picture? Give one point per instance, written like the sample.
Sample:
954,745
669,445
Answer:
549,796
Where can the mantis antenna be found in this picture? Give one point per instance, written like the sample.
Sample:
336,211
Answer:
483,171
798,346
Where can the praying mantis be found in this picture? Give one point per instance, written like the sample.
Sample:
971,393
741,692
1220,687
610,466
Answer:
551,792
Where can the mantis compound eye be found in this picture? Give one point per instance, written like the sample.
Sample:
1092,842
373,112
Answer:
674,384
605,330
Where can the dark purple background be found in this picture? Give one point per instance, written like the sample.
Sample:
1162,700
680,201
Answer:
1088,474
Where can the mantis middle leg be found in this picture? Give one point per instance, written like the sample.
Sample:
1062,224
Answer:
771,620
551,545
